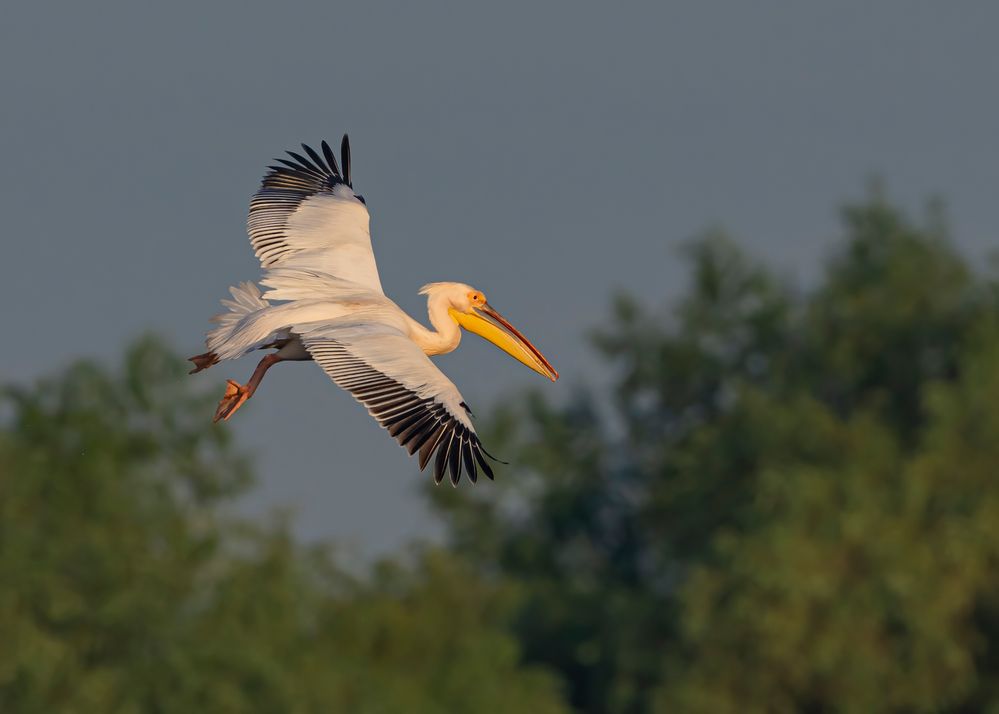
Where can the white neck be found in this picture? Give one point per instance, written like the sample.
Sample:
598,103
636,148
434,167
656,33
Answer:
448,333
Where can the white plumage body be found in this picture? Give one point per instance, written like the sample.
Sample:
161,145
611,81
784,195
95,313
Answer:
367,323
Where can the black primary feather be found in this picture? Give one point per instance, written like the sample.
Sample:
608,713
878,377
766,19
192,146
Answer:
330,158
345,160
315,157
453,462
307,164
482,463
466,453
440,462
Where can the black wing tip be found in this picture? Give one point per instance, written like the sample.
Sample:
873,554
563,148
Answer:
313,169
467,457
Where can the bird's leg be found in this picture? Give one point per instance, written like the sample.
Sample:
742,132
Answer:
236,394
203,361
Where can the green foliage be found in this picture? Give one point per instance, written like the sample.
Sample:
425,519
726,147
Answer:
126,587
788,501
866,583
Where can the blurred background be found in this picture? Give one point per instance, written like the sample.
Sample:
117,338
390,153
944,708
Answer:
757,241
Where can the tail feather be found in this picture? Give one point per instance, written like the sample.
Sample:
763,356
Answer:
246,300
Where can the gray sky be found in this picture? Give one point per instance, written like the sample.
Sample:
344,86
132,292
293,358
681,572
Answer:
546,153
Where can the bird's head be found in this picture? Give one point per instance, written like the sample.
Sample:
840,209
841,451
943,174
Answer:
469,308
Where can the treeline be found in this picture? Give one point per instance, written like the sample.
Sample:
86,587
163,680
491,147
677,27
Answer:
788,502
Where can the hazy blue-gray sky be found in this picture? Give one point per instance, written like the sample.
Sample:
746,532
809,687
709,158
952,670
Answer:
546,153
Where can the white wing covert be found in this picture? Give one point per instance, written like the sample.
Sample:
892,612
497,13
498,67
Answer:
402,389
306,216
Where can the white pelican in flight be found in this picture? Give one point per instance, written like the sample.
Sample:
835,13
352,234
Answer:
325,303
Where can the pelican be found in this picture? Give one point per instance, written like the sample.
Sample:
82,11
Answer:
324,302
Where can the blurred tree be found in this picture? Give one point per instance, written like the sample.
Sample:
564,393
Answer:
126,587
788,502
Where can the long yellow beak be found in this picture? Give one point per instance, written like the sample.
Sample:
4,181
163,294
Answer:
487,323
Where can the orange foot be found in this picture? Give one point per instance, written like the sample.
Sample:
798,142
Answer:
203,361
235,395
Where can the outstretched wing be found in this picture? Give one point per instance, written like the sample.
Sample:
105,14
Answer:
307,216
390,375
